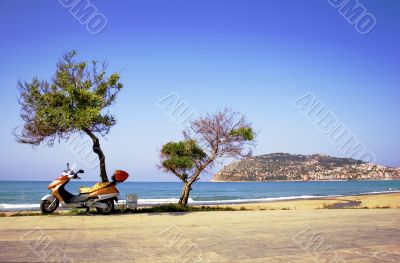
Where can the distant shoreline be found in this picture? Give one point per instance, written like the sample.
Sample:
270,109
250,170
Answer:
361,180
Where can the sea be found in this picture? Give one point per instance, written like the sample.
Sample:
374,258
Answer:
26,195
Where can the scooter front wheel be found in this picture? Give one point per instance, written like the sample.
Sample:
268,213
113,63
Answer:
48,207
109,209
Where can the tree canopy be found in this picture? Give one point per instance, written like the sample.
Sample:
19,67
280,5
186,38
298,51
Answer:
181,157
76,99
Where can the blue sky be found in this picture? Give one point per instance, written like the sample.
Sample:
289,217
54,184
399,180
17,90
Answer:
255,56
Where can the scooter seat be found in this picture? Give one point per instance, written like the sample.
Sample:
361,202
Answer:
88,190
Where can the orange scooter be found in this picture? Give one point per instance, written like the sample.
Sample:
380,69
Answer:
100,196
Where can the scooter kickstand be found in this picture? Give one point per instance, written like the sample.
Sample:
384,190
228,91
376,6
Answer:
88,211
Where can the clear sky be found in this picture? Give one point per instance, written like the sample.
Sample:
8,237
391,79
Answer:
256,56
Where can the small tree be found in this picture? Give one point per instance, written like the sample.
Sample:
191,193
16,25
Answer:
209,138
74,101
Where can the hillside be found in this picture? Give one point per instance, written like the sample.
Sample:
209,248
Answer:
284,166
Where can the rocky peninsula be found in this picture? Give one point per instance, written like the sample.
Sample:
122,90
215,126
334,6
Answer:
295,167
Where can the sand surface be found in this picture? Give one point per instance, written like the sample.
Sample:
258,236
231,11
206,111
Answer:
306,234
372,201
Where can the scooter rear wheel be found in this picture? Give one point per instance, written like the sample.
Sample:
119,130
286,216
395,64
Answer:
48,207
109,209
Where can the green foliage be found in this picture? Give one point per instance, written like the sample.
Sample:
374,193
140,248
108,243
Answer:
179,162
76,212
176,208
167,208
27,213
74,100
180,157
187,148
246,133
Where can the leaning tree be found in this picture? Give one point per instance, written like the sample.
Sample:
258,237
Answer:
225,134
74,101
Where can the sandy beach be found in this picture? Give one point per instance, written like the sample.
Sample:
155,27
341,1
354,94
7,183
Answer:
370,201
286,231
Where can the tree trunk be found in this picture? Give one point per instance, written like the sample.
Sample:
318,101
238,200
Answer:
185,195
188,185
99,152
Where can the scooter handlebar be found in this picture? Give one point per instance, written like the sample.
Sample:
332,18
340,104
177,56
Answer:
79,172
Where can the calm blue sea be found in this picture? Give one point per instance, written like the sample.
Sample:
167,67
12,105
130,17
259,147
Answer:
23,195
